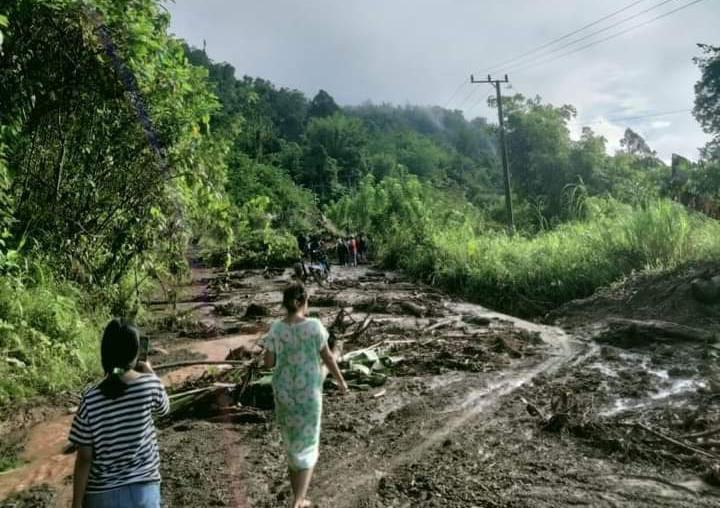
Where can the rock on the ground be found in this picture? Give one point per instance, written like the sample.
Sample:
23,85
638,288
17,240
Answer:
706,290
255,310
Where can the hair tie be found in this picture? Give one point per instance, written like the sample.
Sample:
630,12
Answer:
118,371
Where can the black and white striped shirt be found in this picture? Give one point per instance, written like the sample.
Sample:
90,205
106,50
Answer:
121,433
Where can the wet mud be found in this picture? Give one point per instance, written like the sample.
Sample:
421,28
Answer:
475,409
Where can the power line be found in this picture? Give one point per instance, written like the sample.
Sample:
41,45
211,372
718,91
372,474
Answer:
467,98
476,104
640,117
605,39
454,94
651,115
597,32
562,38
600,20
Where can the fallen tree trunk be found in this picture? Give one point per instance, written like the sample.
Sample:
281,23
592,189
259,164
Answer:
633,332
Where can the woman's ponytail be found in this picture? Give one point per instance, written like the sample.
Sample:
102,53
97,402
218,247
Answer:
294,297
118,351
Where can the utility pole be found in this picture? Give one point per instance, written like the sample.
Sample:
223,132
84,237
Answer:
503,146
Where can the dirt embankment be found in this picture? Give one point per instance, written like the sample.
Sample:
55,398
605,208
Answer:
456,406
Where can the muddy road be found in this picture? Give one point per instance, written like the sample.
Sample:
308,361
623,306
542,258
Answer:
477,409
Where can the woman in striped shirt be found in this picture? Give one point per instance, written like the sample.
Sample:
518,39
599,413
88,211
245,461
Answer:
118,462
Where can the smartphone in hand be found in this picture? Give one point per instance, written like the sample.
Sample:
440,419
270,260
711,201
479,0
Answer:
144,349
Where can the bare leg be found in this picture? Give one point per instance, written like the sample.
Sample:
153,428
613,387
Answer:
300,481
293,484
337,351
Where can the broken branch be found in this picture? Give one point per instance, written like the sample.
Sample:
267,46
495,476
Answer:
442,323
358,331
705,433
671,440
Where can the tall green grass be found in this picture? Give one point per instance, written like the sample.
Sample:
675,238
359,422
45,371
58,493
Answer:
529,275
48,335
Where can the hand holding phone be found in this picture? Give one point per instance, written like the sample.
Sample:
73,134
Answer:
144,349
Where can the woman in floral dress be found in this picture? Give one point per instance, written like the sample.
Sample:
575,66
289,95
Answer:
297,347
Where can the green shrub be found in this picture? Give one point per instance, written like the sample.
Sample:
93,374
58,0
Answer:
444,242
532,275
48,340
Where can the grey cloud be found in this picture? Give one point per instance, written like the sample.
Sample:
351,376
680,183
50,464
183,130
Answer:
418,51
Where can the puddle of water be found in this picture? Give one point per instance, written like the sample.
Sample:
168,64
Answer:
604,369
214,350
45,462
666,387
662,374
677,387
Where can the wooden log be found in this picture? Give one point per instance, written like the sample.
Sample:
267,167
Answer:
176,365
413,308
212,387
654,329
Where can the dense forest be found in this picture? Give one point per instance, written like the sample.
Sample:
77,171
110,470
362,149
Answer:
124,153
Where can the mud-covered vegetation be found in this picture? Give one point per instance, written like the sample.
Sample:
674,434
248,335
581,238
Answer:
122,150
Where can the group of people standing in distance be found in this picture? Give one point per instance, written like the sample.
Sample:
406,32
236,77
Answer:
352,250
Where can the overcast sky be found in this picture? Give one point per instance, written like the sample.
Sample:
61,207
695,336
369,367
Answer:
420,51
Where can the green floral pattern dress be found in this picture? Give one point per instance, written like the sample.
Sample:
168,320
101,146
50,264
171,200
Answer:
297,384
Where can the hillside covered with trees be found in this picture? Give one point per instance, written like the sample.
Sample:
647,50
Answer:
125,153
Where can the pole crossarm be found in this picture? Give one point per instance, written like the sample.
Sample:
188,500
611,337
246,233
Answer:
489,80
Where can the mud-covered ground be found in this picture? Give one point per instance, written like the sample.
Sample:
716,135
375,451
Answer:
478,409
451,426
